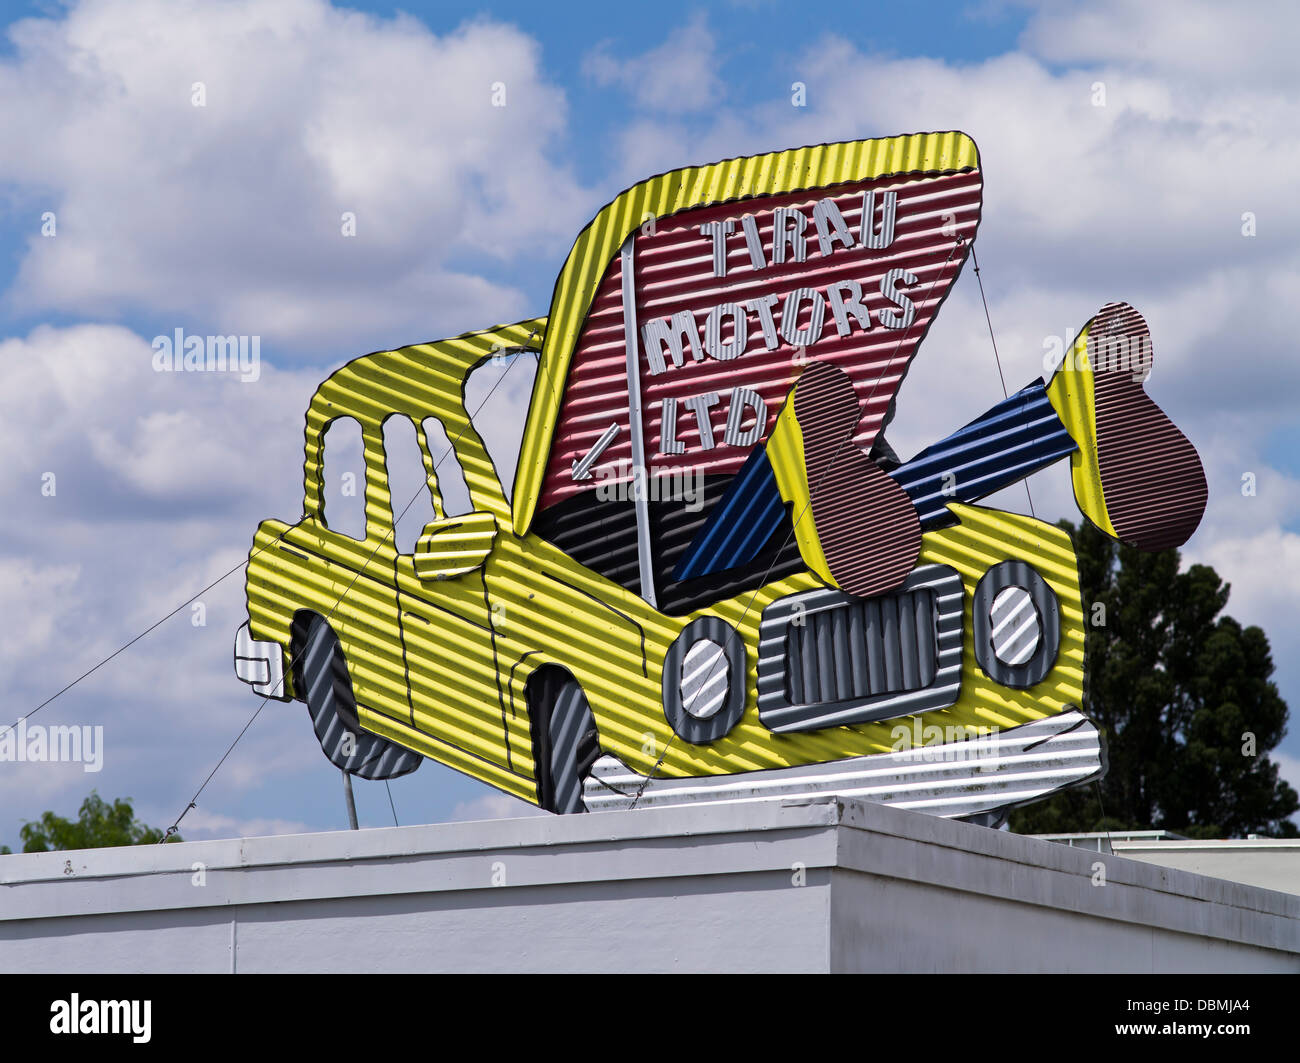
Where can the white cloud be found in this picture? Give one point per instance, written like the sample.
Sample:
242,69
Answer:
1264,570
225,219
493,806
1247,44
231,212
86,404
497,399
25,580
159,482
681,74
1288,767
1140,199
200,824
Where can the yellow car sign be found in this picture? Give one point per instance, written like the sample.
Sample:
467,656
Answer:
713,579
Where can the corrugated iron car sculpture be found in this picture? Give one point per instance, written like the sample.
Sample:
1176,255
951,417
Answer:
713,579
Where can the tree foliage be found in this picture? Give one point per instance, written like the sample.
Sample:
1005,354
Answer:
98,825
1184,698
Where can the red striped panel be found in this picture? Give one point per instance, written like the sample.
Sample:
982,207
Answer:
936,218
1151,476
867,526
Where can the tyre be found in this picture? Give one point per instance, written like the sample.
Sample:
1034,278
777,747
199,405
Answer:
565,741
321,679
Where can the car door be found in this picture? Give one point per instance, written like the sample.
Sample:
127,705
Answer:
446,618
339,560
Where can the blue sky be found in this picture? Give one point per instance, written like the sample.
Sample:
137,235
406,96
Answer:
225,219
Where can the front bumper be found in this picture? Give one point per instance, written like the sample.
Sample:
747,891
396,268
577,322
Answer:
260,664
952,779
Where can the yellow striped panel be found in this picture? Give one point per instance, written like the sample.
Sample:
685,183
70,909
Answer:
1071,394
790,467
460,545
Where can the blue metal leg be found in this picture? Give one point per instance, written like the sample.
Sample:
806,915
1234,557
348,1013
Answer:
1017,437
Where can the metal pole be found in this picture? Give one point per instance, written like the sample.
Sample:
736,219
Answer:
352,804
640,495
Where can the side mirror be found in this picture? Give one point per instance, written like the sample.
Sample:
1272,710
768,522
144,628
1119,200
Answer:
453,546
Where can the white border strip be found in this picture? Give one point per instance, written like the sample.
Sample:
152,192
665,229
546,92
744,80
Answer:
635,423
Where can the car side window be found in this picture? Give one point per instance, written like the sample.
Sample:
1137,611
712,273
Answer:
451,478
497,394
408,482
343,478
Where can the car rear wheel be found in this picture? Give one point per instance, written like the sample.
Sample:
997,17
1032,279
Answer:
565,741
321,679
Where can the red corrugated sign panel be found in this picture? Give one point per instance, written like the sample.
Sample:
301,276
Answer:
732,301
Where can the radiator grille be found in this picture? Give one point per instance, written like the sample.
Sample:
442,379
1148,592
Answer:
828,659
874,646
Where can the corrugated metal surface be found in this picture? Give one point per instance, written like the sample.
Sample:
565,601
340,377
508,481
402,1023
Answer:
1152,486
982,539
724,677
330,701
828,659
1017,632
570,733
458,547
615,646
856,527
443,667
1041,620
1016,437
938,201
471,644
934,215
704,682
1071,393
956,778
600,535
674,274
746,517
376,605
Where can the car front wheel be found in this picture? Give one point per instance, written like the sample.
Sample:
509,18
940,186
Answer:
321,678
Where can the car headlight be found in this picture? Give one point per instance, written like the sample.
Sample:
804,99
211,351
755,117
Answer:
1016,629
704,680
1017,624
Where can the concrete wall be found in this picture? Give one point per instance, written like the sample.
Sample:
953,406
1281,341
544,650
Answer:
1273,863
762,886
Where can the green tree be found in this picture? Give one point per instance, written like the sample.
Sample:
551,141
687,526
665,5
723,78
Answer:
1184,698
98,825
